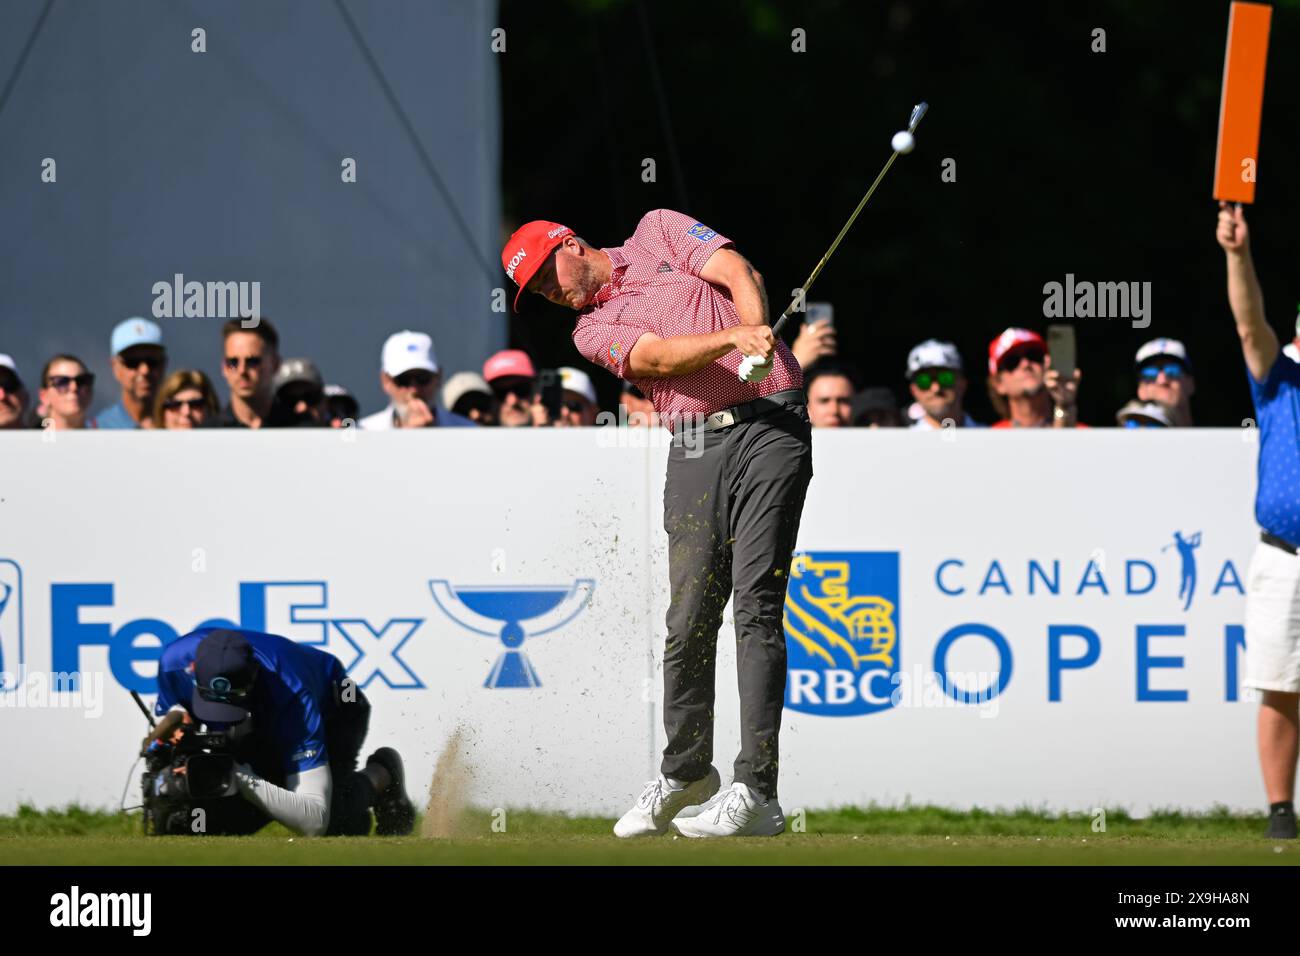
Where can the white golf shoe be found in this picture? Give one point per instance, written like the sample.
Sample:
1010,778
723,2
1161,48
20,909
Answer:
660,802
735,811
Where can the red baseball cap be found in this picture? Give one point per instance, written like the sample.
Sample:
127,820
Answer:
1008,341
508,362
528,248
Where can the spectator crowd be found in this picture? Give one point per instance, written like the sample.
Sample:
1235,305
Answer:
264,390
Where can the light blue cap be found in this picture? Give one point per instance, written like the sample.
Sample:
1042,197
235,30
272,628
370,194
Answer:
134,331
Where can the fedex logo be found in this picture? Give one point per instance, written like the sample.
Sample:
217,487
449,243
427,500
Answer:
297,610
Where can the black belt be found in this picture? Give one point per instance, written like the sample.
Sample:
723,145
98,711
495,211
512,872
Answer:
1277,542
759,406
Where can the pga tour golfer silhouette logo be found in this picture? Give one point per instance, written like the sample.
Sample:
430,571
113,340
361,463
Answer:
1187,554
510,615
841,631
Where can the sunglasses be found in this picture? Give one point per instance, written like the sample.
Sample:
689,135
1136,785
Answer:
473,403
61,383
946,378
176,404
151,362
311,396
1149,373
251,362
221,691
520,390
415,378
1011,361
575,406
9,382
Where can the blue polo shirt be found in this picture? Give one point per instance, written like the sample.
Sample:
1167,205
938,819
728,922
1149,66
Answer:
1277,409
115,416
291,702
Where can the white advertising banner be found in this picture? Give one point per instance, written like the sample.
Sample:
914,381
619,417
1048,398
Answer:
974,619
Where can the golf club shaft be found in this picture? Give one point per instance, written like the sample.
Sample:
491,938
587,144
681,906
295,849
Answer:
803,289
917,113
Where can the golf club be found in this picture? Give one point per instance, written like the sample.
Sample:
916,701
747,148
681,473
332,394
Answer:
902,143
918,112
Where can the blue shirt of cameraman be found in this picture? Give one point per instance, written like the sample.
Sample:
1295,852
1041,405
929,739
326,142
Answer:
292,698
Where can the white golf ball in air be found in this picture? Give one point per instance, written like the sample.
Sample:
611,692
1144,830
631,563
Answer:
903,141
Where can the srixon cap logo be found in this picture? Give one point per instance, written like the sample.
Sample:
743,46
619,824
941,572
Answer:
514,263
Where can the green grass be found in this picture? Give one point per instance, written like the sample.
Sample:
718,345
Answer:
849,835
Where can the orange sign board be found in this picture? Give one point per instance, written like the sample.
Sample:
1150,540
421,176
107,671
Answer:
1237,155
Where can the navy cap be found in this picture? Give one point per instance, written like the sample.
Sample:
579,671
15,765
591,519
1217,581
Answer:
875,399
224,671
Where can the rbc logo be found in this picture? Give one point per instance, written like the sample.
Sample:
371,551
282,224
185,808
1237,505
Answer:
841,630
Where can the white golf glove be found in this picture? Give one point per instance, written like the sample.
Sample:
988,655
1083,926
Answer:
754,369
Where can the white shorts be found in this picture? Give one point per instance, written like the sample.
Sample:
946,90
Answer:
1273,620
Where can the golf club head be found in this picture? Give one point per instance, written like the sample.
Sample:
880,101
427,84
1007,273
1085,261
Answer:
918,111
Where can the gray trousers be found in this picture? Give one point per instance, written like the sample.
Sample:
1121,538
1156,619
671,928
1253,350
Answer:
732,505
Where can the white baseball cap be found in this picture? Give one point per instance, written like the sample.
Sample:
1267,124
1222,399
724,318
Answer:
9,363
1138,412
572,380
461,384
408,350
933,354
1158,347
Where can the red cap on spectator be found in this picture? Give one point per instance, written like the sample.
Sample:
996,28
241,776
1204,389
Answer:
508,362
528,248
1010,340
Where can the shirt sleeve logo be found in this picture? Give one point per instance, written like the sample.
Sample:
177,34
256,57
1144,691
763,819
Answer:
616,352
701,232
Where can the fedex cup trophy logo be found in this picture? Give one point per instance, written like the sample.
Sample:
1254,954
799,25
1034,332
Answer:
502,612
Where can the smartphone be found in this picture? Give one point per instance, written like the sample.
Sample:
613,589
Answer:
820,312
1060,346
551,390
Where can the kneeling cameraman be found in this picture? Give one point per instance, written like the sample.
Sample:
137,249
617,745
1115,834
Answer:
293,724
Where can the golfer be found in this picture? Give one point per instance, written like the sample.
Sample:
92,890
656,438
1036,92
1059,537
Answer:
673,310
1273,580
